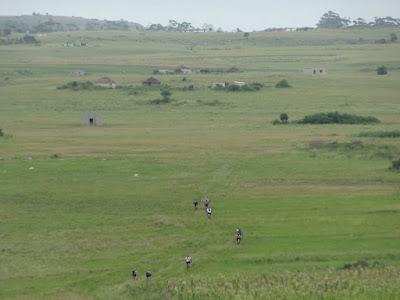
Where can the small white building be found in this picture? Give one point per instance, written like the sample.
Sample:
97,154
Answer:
183,70
219,85
239,83
78,72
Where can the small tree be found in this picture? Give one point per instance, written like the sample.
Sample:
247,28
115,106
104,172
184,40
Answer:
283,84
284,118
393,37
382,70
396,165
246,35
6,31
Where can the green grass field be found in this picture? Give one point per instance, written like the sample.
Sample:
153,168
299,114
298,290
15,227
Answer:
75,220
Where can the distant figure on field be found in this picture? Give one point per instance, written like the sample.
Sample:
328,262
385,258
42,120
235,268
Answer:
188,261
239,235
134,274
209,212
206,203
196,204
148,275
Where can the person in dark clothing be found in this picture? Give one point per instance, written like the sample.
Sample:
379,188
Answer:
239,235
196,204
206,203
148,275
134,274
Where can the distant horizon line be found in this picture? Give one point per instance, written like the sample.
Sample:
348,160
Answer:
217,28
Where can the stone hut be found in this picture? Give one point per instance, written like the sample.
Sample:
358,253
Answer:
151,82
106,83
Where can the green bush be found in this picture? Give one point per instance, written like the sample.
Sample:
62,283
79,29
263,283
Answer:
276,122
1,132
337,118
77,86
382,70
284,118
395,165
380,134
165,97
234,88
283,84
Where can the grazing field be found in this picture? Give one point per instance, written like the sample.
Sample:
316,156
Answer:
80,207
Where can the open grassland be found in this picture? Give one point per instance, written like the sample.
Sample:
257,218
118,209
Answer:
75,220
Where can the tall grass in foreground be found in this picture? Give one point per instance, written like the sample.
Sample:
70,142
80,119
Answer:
359,283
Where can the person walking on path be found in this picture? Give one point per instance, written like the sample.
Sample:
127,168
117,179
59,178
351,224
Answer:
188,261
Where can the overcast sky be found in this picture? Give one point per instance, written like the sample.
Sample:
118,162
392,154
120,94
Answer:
228,14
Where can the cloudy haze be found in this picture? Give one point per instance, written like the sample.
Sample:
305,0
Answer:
228,14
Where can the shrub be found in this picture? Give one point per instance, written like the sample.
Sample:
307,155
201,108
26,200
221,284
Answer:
189,87
165,97
382,70
284,118
77,86
356,265
395,165
380,41
276,122
283,84
393,37
1,132
381,134
211,103
234,88
337,118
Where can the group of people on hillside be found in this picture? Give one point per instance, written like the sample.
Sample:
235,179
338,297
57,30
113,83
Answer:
188,258
207,206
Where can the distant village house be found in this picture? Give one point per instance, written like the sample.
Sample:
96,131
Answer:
78,73
233,70
106,83
183,70
239,83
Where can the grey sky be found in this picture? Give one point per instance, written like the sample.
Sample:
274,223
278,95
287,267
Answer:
229,14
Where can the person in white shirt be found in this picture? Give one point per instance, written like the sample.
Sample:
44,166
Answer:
209,212
188,261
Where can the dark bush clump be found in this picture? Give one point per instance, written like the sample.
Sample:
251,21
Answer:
166,97
395,165
276,122
381,41
1,132
77,86
283,84
284,118
337,118
380,134
382,70
362,264
234,88
356,265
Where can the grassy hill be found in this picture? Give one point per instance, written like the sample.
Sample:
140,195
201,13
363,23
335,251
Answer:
80,207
